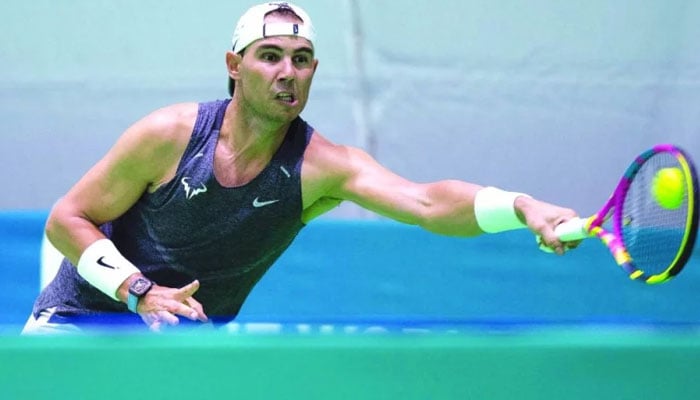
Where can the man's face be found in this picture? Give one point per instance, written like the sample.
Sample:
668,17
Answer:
276,74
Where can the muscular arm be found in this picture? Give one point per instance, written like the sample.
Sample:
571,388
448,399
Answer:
336,173
144,157
141,159
346,173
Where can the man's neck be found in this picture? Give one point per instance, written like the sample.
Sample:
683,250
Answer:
246,145
250,135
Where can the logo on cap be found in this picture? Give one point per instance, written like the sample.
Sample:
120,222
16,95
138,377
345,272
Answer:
280,4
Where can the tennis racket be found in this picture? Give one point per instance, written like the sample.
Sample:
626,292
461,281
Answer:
650,239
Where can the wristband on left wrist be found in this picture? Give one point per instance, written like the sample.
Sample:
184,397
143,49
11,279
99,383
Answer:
494,210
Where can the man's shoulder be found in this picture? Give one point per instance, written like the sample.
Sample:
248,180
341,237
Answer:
165,129
328,159
324,150
175,114
173,120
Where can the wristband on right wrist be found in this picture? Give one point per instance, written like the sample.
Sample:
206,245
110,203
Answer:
104,267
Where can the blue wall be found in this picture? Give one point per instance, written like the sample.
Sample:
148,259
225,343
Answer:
20,237
371,270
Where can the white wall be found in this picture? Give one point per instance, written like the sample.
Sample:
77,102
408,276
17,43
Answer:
552,98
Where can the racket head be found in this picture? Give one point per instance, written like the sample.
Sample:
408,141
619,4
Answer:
652,243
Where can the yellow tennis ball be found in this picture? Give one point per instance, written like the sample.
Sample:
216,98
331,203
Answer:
668,188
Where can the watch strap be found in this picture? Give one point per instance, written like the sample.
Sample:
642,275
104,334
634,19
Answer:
132,301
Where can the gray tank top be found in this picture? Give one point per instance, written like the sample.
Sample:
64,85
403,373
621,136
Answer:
195,228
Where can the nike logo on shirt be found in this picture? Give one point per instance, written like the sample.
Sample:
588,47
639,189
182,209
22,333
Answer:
257,203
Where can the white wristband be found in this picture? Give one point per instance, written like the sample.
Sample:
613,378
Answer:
494,210
104,267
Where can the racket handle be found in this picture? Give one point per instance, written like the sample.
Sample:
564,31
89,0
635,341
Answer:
573,229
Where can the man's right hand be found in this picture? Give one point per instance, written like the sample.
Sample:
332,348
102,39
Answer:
162,305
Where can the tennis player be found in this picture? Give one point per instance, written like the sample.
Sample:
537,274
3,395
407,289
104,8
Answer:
193,204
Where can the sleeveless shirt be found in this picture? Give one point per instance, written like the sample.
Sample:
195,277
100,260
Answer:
194,228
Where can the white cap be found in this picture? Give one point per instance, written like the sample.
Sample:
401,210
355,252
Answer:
251,26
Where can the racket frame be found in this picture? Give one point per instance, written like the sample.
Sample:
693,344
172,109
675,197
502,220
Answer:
579,228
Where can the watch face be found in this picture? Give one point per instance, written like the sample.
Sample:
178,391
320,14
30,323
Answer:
140,286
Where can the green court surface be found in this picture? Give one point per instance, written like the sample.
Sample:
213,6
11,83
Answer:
539,363
402,314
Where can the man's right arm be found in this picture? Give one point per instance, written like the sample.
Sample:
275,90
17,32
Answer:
140,159
145,157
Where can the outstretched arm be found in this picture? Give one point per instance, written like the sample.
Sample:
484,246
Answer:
445,207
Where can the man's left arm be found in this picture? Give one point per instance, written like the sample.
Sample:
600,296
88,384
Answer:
447,207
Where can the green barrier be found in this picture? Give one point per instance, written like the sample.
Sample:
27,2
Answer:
539,364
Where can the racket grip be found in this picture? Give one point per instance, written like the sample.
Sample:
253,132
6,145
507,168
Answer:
573,229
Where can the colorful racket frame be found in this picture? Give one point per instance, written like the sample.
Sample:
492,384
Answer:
615,205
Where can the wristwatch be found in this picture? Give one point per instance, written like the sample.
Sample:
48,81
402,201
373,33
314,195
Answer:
137,289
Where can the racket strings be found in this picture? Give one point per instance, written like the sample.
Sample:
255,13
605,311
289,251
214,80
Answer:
653,234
